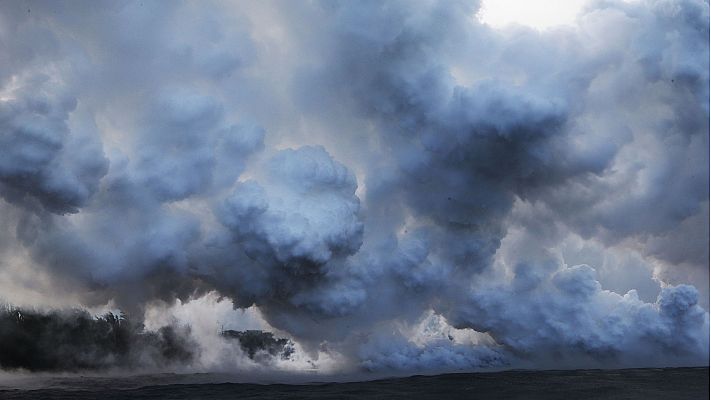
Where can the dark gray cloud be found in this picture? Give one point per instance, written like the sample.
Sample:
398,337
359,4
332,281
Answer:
351,169
43,160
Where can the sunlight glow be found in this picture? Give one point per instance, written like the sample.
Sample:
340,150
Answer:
539,14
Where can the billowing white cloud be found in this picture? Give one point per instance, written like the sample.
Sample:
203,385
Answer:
306,211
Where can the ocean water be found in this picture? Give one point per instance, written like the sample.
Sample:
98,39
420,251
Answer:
646,384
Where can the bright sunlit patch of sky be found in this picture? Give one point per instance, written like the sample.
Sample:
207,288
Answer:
539,14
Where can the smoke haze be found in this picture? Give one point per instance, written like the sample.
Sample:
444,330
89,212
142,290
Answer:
392,186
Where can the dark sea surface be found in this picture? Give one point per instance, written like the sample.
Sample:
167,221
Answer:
650,383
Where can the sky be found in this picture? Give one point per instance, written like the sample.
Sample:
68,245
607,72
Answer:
538,14
396,187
